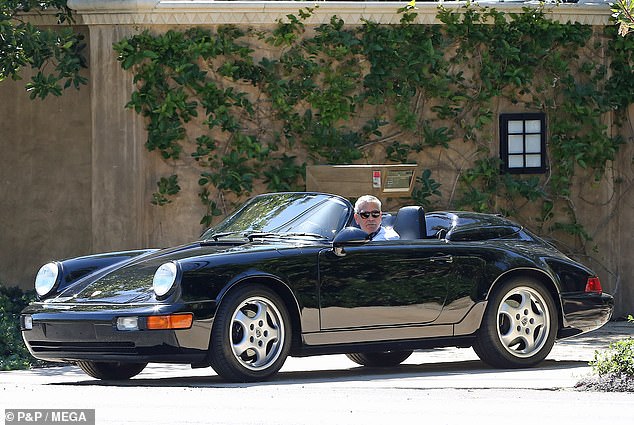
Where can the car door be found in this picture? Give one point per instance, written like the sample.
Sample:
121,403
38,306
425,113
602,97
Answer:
384,284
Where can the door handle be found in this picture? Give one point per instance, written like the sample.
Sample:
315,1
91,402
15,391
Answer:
442,259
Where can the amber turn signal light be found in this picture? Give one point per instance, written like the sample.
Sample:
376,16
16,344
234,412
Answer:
171,321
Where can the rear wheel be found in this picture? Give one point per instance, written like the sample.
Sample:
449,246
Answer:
519,325
251,336
115,371
380,359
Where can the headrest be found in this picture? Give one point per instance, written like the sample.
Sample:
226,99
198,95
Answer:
410,223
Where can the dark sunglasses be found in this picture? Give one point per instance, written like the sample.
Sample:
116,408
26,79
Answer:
366,214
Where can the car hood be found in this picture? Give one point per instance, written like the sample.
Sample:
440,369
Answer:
131,281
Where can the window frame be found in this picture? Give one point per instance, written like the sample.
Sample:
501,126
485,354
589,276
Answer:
505,155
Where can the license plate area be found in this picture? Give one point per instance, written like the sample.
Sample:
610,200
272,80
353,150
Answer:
69,331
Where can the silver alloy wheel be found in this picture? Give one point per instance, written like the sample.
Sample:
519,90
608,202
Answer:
257,333
523,321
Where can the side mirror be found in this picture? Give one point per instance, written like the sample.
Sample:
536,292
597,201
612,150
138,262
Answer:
349,236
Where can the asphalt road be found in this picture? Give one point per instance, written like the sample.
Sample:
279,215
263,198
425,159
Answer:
443,386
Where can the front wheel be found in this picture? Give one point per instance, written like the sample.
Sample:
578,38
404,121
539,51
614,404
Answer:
380,359
251,336
519,326
110,370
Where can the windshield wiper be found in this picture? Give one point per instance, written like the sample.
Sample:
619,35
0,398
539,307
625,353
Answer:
254,235
293,234
217,236
283,235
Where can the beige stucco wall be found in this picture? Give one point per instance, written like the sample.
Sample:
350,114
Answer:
75,177
124,173
45,179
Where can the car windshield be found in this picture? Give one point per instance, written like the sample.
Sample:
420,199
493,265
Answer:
285,214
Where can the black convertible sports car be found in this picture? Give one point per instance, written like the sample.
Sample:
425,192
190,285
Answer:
286,275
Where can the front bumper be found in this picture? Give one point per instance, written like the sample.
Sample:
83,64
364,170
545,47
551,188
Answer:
68,332
584,312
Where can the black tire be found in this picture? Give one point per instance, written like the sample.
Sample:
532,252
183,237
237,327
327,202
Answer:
111,371
251,336
519,325
380,359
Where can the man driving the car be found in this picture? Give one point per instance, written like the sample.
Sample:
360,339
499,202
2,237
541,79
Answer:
367,214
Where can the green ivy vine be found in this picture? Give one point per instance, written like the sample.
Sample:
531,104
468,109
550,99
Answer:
384,93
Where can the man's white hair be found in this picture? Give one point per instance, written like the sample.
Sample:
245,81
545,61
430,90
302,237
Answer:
369,199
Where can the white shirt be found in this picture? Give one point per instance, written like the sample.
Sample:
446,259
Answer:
385,234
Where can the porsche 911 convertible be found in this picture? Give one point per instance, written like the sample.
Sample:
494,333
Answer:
289,274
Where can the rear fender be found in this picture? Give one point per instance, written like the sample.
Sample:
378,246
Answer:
539,275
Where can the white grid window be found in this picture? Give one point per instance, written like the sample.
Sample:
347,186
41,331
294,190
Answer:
523,143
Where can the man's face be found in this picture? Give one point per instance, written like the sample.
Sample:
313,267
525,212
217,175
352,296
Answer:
366,219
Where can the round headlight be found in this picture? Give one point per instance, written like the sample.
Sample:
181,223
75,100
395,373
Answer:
164,279
46,279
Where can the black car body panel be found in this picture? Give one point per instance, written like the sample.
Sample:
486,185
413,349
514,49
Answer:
342,293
